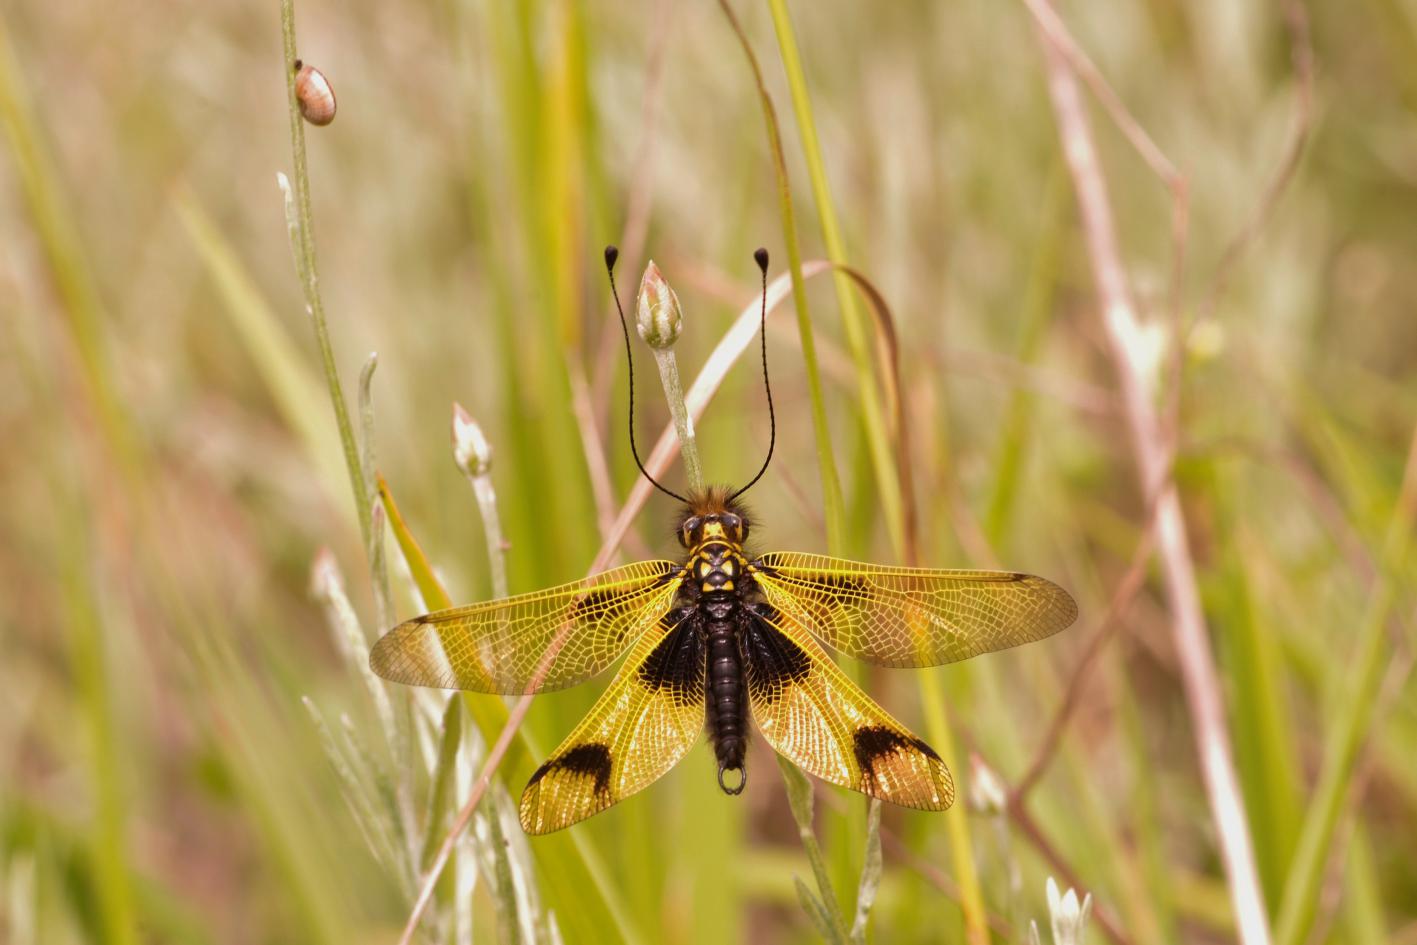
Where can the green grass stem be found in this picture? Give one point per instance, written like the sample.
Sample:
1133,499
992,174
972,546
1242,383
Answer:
883,462
473,456
832,504
971,892
82,604
293,386
823,907
683,424
300,221
1351,726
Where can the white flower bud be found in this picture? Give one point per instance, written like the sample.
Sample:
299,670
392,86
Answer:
987,794
471,451
1067,915
658,316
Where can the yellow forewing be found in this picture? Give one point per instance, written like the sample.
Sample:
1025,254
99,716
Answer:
810,712
911,616
648,718
498,646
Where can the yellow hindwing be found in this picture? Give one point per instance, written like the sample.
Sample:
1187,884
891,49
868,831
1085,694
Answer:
810,712
649,717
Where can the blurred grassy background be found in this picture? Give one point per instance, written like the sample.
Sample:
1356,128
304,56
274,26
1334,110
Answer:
171,463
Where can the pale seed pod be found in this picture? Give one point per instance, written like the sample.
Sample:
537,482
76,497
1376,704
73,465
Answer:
315,94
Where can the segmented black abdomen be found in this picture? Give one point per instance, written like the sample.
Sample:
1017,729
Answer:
726,722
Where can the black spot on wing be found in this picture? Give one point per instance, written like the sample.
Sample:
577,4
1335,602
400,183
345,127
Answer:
677,662
774,662
873,742
595,601
844,584
591,759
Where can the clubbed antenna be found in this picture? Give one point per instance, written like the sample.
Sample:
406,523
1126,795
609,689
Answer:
761,257
611,255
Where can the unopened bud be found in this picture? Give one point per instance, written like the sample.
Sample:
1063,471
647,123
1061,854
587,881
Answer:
325,581
987,794
658,317
471,451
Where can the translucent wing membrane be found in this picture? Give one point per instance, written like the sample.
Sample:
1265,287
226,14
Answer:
497,646
647,720
810,712
912,616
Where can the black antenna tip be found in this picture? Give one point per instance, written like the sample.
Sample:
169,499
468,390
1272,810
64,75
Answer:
761,255
611,254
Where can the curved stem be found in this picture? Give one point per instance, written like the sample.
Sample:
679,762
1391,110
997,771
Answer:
1148,441
831,482
300,220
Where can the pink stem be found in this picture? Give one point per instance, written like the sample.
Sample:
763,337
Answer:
1197,664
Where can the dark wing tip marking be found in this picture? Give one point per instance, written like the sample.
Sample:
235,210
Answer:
872,742
591,759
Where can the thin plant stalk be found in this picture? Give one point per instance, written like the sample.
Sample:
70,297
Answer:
1197,662
870,873
1301,891
831,482
826,910
291,382
378,566
888,475
683,423
473,455
971,893
111,872
659,320
832,502
300,221
88,638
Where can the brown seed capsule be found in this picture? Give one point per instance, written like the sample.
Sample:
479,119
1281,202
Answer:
315,94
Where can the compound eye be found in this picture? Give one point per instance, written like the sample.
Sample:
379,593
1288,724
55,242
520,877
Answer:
687,530
732,524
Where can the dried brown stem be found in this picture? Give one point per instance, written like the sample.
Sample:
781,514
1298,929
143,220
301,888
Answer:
1150,450
1162,166
594,446
1113,619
